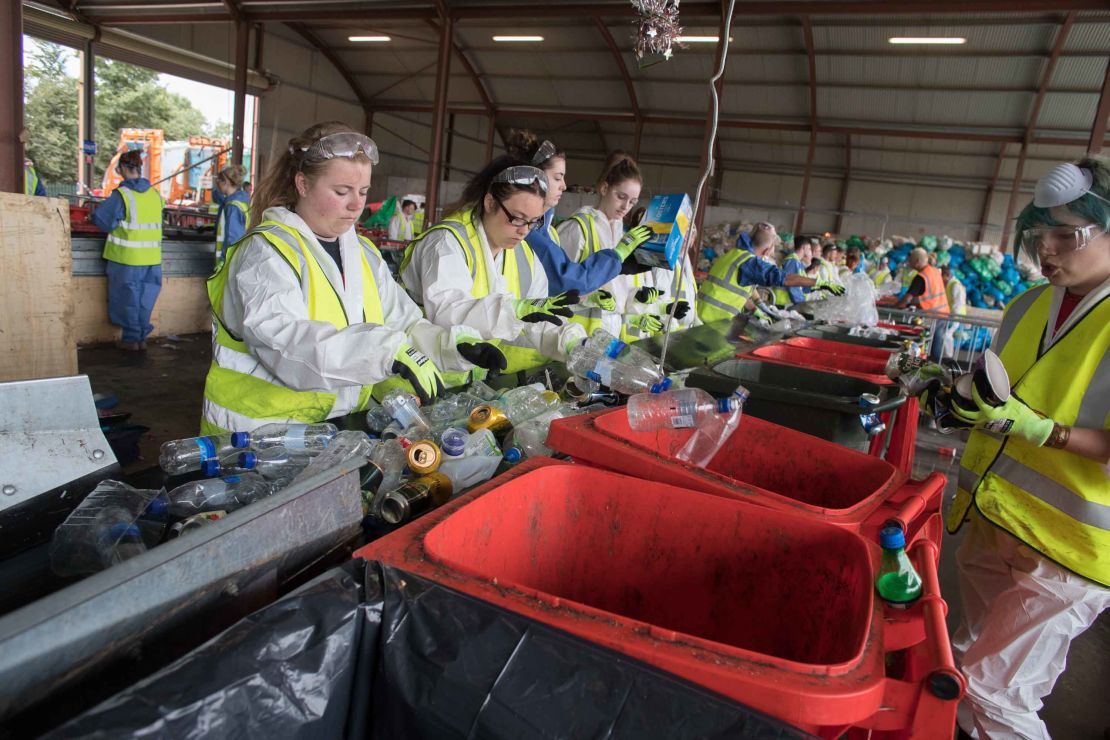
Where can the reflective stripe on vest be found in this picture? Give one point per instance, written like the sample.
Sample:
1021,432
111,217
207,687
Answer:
782,295
240,394
221,225
30,180
719,297
934,298
1056,502
137,239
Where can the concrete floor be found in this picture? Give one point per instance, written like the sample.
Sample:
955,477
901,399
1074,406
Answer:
163,387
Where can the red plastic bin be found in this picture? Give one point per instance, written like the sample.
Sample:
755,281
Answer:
764,464
768,608
864,368
840,348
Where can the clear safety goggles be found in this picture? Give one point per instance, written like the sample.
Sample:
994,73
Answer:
1054,241
546,151
523,175
345,144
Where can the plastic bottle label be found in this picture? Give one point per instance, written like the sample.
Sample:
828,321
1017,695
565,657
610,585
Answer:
294,438
603,371
207,447
682,421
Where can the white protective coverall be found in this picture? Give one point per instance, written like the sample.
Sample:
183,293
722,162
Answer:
264,303
623,287
664,279
438,276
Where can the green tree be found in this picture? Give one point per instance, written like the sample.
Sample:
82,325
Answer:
50,111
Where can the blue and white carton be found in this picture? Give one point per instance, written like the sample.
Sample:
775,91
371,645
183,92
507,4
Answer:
670,218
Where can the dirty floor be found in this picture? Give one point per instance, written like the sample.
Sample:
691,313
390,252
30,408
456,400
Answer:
163,386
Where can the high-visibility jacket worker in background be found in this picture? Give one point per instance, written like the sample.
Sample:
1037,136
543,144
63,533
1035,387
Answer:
735,276
474,268
132,217
795,263
926,292
234,208
1034,567
401,226
306,316
957,305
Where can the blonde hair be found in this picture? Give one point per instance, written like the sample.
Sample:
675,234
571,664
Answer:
278,187
234,173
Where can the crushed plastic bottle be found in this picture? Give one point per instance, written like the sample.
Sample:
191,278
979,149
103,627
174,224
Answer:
404,408
102,531
377,418
223,494
293,436
619,376
607,345
713,420
347,446
185,455
522,404
391,457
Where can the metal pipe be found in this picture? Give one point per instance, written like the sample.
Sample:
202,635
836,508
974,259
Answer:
239,114
439,113
11,93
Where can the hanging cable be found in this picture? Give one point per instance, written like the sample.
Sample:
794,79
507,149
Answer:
714,116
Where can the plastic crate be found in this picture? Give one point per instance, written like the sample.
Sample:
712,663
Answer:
768,608
761,463
863,368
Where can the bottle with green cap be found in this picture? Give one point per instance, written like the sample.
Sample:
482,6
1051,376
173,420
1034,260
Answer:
898,583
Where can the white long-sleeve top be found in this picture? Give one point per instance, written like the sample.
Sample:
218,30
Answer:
400,227
437,276
264,303
664,280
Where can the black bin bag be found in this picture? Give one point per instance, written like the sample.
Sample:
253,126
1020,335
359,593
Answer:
369,651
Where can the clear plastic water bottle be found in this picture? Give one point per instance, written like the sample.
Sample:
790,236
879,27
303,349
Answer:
226,494
102,530
276,463
229,464
391,457
293,436
522,404
898,583
377,418
686,408
404,408
348,446
619,376
184,455
607,345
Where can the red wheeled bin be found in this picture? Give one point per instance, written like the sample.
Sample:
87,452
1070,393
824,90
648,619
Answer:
762,463
769,608
800,352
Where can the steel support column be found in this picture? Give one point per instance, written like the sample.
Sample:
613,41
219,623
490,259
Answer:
491,129
87,114
368,123
807,33
450,147
11,95
844,185
985,217
637,137
1034,114
1098,126
439,114
238,123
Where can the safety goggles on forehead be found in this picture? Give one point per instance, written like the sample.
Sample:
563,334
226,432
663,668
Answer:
1058,240
523,175
346,144
546,151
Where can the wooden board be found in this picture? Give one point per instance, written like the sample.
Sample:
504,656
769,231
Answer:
182,308
37,337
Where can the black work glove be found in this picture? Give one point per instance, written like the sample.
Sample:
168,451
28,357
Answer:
648,296
679,312
485,355
632,266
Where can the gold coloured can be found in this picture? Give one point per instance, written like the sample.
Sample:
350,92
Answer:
424,457
488,417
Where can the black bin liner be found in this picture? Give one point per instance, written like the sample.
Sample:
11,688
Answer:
369,651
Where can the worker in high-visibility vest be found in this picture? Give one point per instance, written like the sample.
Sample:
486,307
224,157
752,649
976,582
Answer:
32,183
957,305
401,226
234,208
307,320
474,268
927,293
795,263
132,218
1034,565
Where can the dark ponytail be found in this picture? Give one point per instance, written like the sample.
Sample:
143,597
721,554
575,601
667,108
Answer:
482,183
619,167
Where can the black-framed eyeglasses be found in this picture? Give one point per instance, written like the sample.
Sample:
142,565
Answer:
516,220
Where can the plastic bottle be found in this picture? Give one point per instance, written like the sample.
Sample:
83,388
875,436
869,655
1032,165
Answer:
708,438
465,472
293,436
607,345
226,494
276,463
390,456
453,442
482,443
120,540
184,455
348,446
685,408
102,530
522,404
404,408
377,418
898,583
619,376
415,498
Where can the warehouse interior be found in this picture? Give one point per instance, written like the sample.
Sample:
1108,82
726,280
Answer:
834,119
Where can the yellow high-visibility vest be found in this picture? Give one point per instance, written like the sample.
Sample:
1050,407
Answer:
137,239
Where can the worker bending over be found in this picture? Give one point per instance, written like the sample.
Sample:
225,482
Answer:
132,216
307,318
735,276
474,268
1034,567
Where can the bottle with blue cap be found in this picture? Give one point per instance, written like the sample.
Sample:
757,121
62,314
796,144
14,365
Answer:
898,583
185,455
293,436
683,408
226,494
604,343
624,377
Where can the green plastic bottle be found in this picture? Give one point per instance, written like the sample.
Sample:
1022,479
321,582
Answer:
898,583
